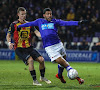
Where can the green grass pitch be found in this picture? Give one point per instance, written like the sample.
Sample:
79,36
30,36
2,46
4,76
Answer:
14,75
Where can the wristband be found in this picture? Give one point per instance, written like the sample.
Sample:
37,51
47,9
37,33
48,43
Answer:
9,43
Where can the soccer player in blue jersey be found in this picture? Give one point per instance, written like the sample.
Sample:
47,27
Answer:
51,41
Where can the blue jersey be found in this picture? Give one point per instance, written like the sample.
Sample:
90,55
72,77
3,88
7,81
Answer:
48,29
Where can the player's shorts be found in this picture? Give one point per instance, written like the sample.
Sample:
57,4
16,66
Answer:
25,53
55,51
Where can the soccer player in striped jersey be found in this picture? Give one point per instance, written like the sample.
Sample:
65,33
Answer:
51,41
23,47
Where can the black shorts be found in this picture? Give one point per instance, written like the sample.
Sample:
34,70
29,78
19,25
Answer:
25,53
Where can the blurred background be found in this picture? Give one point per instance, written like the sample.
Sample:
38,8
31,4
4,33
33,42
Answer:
79,42
82,37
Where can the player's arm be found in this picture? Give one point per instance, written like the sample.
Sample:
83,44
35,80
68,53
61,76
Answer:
69,23
8,36
66,23
37,33
97,43
33,23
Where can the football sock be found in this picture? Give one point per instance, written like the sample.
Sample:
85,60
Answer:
42,72
68,68
78,78
33,74
60,70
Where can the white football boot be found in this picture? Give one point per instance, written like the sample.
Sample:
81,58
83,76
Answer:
45,80
35,82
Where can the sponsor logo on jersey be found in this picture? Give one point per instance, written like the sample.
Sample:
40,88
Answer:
47,26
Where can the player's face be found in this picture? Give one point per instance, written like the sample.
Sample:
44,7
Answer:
22,15
48,15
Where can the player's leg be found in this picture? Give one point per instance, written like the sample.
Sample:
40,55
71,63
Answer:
53,53
64,63
30,63
32,71
28,60
57,54
40,59
59,74
36,55
81,81
60,71
60,68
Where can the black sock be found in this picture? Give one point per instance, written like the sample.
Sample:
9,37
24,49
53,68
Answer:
33,74
42,72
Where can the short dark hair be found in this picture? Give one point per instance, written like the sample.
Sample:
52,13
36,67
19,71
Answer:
21,9
46,9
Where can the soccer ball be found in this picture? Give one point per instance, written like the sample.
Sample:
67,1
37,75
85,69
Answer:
72,74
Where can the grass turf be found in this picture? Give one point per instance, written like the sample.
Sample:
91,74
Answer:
14,75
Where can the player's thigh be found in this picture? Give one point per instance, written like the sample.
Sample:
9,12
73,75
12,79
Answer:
53,55
40,59
36,55
23,54
30,60
63,53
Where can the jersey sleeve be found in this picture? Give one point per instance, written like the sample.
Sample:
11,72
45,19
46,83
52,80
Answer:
11,28
33,23
66,23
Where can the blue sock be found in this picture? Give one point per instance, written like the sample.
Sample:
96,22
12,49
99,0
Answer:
60,70
68,68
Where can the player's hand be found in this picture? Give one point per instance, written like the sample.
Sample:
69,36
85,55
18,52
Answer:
11,45
97,44
18,28
83,22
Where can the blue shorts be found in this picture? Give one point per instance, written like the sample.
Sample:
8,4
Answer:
25,53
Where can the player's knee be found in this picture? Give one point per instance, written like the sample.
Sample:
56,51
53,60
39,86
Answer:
41,59
30,60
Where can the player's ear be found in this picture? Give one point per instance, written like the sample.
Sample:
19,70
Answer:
43,15
17,14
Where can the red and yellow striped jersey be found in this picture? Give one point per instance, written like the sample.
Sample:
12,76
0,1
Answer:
21,38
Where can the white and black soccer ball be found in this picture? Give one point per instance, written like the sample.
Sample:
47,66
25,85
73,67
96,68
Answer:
72,74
